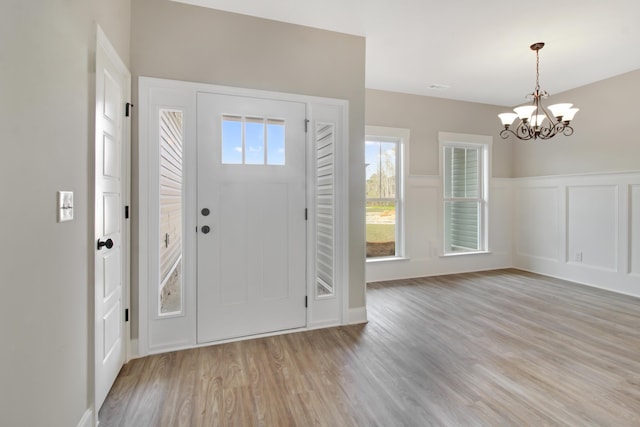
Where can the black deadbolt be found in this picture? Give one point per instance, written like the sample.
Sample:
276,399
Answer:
205,229
205,212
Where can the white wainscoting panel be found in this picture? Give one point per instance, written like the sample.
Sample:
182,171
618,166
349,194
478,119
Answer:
592,220
634,226
537,225
582,228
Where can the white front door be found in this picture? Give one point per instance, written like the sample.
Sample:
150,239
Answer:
110,246
251,216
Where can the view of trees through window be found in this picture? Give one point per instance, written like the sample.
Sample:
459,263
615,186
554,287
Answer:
380,158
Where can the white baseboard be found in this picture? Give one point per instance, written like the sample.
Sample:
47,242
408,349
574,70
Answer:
134,351
357,315
322,325
87,419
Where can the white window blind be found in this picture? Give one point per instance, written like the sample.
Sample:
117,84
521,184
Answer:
463,198
325,194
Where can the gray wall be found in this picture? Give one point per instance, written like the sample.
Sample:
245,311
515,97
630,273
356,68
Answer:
182,42
426,116
603,141
605,138
46,107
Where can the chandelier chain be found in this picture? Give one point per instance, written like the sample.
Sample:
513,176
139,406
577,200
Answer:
537,71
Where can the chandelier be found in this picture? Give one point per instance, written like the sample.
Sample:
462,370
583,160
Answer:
536,121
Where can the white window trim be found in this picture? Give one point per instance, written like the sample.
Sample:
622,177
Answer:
402,136
448,139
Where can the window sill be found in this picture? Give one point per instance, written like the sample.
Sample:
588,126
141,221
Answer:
454,254
387,259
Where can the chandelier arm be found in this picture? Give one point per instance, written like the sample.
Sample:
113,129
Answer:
567,130
520,133
524,131
548,132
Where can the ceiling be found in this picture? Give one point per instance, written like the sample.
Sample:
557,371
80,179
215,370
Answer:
478,50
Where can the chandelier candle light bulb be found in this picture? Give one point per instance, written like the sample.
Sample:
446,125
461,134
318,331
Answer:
532,124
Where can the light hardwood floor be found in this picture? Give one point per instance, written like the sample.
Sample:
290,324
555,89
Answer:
501,348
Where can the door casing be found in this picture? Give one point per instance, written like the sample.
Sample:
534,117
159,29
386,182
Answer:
157,335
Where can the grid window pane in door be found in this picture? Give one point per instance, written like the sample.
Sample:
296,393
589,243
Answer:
275,142
232,140
254,142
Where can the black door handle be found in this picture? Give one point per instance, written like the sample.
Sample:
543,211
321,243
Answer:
107,243
205,229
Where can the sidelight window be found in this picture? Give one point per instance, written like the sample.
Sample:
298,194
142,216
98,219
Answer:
171,207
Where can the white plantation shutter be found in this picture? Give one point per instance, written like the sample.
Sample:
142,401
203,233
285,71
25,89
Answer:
171,139
325,196
463,198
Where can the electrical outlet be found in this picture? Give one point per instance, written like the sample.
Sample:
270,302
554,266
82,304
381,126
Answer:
578,256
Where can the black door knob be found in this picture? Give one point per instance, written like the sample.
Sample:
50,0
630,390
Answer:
107,243
205,212
205,229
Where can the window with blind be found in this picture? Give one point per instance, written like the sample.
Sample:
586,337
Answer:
464,173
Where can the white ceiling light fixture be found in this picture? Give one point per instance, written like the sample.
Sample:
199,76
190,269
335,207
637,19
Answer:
536,121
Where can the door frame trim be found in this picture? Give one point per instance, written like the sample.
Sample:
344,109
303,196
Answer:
153,92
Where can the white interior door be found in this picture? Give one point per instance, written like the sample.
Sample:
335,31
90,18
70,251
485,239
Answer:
251,216
111,248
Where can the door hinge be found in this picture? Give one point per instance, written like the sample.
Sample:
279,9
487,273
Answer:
126,314
306,125
126,212
306,214
127,109
306,298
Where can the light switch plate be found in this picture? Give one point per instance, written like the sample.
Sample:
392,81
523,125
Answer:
65,206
